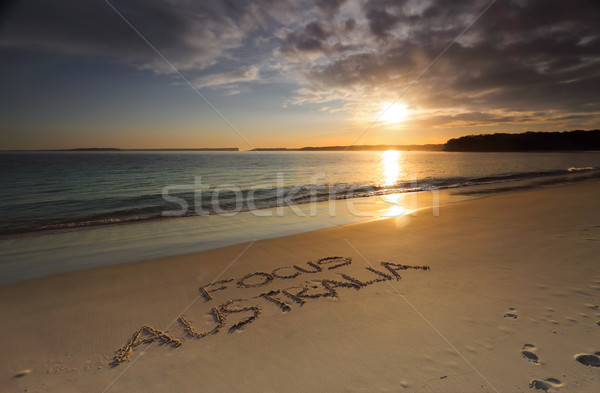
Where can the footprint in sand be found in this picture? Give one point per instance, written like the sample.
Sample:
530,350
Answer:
23,373
527,353
545,385
588,360
511,314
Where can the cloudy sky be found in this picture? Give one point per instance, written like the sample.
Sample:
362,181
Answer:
270,73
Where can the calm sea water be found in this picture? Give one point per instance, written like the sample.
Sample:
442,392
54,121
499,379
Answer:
62,211
54,190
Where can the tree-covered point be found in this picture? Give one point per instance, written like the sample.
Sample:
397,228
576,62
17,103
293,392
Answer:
528,141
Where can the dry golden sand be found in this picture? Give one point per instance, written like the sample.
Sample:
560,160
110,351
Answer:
510,304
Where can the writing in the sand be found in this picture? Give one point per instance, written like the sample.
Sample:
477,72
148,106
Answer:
284,298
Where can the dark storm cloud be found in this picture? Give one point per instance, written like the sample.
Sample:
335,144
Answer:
349,24
329,7
539,57
313,37
519,56
522,60
191,35
381,21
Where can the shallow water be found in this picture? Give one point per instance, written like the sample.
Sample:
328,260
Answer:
69,211
54,190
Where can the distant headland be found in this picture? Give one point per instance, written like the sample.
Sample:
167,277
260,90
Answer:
178,149
499,142
429,147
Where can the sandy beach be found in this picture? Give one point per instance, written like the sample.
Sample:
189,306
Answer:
342,196
499,294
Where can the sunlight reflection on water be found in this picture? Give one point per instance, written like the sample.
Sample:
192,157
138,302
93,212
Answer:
390,161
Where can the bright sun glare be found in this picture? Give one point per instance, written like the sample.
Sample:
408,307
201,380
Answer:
394,113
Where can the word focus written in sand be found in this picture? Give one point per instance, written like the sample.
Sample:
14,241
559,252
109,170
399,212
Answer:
282,298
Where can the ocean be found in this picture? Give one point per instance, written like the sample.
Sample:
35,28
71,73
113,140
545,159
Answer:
71,210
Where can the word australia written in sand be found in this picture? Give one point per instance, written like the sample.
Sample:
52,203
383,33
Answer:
237,313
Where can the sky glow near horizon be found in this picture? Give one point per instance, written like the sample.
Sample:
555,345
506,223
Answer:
292,73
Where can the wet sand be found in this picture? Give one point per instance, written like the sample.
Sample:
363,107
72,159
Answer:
495,294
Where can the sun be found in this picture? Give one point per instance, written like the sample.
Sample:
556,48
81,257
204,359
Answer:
393,112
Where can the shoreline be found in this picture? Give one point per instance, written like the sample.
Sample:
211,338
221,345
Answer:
496,183
514,289
39,254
